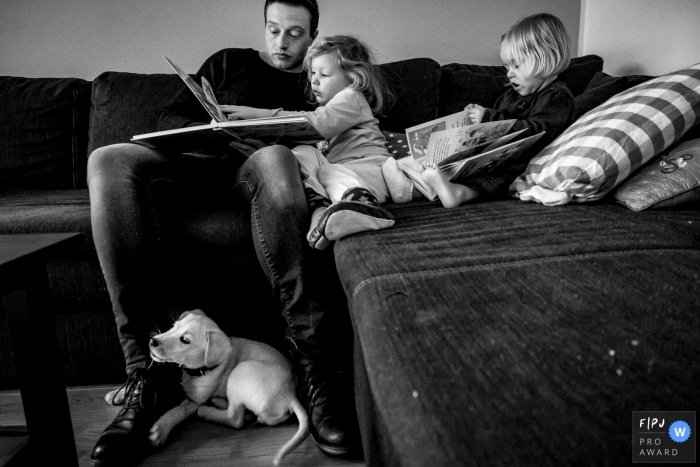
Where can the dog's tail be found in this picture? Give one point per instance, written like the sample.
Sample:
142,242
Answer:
300,435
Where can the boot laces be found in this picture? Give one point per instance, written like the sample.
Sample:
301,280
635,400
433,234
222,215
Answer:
137,387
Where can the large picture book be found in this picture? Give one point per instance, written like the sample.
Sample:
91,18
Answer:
459,149
214,138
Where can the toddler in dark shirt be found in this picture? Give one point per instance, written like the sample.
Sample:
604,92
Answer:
534,51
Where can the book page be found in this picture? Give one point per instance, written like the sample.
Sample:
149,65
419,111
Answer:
489,160
409,166
207,99
419,135
460,143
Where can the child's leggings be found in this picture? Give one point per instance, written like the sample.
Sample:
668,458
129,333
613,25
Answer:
332,180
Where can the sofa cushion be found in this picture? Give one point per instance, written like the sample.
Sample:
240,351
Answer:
127,104
415,84
43,133
606,145
476,84
478,327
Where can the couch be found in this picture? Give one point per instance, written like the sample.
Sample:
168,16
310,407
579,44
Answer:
496,333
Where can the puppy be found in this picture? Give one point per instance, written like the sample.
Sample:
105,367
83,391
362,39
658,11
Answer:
230,373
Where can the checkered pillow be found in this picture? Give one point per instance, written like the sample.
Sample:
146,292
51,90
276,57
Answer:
396,144
613,140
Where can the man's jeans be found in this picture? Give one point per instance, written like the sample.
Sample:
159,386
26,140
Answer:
128,236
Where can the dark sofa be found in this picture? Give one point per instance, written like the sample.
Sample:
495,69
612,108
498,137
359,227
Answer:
496,333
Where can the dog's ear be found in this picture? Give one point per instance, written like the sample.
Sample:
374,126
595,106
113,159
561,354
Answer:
193,312
217,347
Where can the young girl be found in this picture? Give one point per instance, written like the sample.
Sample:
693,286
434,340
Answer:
342,176
534,51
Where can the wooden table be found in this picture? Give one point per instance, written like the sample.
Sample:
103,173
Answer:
28,308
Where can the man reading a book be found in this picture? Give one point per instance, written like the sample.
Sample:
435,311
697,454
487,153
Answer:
127,236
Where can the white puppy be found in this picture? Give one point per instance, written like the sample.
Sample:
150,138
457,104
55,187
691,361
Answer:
217,368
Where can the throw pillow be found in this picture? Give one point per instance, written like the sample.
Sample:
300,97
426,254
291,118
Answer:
396,144
606,145
666,181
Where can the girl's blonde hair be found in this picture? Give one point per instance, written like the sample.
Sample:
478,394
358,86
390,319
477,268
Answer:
541,39
357,62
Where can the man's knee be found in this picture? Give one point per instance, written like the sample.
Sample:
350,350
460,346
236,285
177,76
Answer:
120,161
275,171
273,158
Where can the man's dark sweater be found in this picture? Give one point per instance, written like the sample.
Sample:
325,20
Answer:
238,77
550,110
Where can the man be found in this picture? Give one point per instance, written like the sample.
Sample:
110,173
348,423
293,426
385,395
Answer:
127,232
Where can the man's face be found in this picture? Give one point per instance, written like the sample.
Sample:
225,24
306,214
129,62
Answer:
287,35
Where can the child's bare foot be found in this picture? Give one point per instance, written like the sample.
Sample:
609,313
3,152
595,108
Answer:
451,194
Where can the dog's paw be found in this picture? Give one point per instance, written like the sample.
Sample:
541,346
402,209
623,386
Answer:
158,434
203,412
219,402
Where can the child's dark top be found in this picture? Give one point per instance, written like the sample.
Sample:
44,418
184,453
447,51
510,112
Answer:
550,110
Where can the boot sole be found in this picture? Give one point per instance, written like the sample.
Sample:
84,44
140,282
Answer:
335,451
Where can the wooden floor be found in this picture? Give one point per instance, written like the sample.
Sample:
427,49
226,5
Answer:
194,443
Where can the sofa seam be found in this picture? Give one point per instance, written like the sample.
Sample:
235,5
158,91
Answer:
558,258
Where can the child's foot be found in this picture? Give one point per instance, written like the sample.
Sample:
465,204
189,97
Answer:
399,185
451,194
315,235
357,211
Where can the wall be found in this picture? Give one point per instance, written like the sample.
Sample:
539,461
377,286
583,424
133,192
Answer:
649,37
81,38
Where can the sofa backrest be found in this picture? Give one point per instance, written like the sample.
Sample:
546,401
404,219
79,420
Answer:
461,84
127,104
44,128
43,133
415,84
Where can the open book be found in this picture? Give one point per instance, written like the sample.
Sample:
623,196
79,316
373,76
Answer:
461,150
214,138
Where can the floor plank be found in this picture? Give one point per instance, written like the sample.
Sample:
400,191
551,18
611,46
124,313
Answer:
193,443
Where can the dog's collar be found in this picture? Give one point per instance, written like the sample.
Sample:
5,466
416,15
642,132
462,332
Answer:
194,372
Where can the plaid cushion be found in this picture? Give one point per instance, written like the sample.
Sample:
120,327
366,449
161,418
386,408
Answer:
607,144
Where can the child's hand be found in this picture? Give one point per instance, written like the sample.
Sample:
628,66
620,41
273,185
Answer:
239,112
475,112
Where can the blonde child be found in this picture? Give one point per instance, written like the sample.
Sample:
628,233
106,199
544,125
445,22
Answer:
342,176
535,50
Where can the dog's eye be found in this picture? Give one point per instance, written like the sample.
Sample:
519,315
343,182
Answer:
184,340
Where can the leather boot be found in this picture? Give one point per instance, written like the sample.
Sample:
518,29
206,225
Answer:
328,398
125,440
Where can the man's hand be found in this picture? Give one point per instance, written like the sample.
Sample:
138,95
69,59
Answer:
240,112
248,146
475,112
